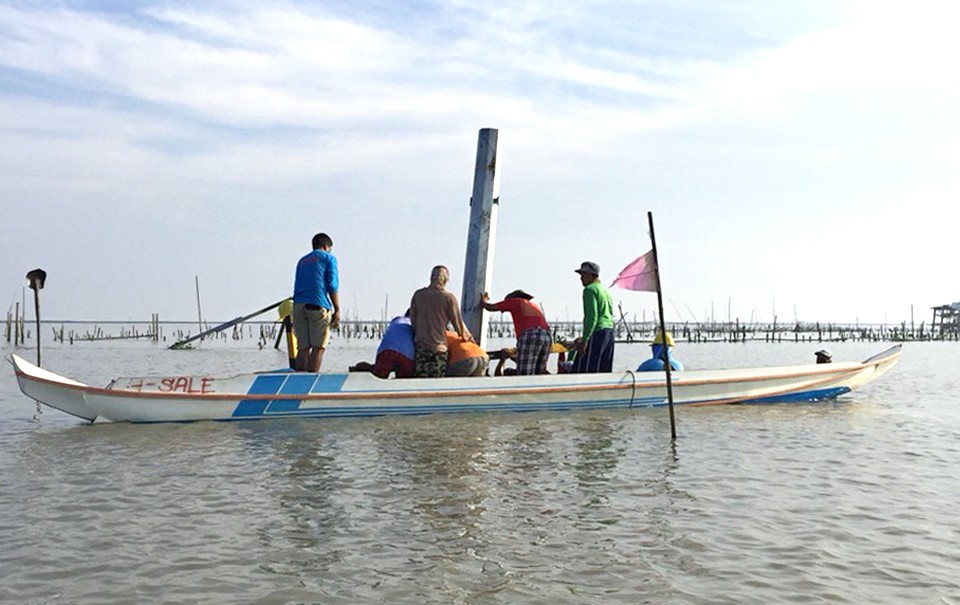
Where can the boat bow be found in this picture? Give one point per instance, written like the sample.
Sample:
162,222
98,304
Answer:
52,389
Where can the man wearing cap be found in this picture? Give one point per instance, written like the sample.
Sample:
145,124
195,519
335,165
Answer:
432,309
534,338
595,353
823,356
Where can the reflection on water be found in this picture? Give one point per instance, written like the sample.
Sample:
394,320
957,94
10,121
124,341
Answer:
597,456
300,478
845,502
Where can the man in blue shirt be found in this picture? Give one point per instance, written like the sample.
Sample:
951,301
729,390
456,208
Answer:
316,303
395,353
655,363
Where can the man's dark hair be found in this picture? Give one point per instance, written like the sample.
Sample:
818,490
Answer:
320,240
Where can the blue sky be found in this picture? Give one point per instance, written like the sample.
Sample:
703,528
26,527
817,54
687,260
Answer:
800,158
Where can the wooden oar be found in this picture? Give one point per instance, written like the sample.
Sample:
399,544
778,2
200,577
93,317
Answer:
623,320
224,326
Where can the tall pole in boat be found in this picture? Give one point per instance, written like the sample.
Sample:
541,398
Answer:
478,268
35,279
663,331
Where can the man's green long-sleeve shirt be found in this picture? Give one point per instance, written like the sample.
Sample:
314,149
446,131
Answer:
597,309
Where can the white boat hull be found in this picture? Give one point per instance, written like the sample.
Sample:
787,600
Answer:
298,394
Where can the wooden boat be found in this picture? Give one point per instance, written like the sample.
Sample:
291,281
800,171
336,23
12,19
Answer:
285,394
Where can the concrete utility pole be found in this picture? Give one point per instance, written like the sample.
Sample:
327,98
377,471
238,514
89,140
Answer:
478,268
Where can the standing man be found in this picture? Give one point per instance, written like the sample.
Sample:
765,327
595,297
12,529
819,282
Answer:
316,303
595,352
533,333
431,310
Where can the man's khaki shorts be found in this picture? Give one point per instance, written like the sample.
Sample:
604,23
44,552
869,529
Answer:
311,325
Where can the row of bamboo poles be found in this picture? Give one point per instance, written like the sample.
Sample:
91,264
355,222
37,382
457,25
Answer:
265,333
15,327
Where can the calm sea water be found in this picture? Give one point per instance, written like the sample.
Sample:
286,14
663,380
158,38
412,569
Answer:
852,501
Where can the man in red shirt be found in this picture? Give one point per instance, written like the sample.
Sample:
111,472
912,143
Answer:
534,338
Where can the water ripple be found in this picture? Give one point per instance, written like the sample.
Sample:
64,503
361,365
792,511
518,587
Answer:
844,502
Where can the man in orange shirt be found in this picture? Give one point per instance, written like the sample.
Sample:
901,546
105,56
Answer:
465,357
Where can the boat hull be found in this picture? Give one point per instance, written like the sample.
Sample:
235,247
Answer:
296,394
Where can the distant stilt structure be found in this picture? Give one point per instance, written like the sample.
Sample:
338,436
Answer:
946,321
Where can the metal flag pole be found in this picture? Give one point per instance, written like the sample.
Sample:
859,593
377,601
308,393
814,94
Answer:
663,331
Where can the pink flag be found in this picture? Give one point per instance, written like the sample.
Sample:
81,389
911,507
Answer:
640,275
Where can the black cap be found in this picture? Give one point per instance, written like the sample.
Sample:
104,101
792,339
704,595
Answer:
588,267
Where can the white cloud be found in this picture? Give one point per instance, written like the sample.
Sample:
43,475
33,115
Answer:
187,115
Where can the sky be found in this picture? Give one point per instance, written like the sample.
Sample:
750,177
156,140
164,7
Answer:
801,159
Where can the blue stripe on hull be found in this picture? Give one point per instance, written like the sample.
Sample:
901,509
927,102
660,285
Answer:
266,385
329,384
298,384
251,408
283,405
303,383
818,395
285,384
347,411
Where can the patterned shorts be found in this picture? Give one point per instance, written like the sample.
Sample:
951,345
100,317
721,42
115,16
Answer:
533,349
430,364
